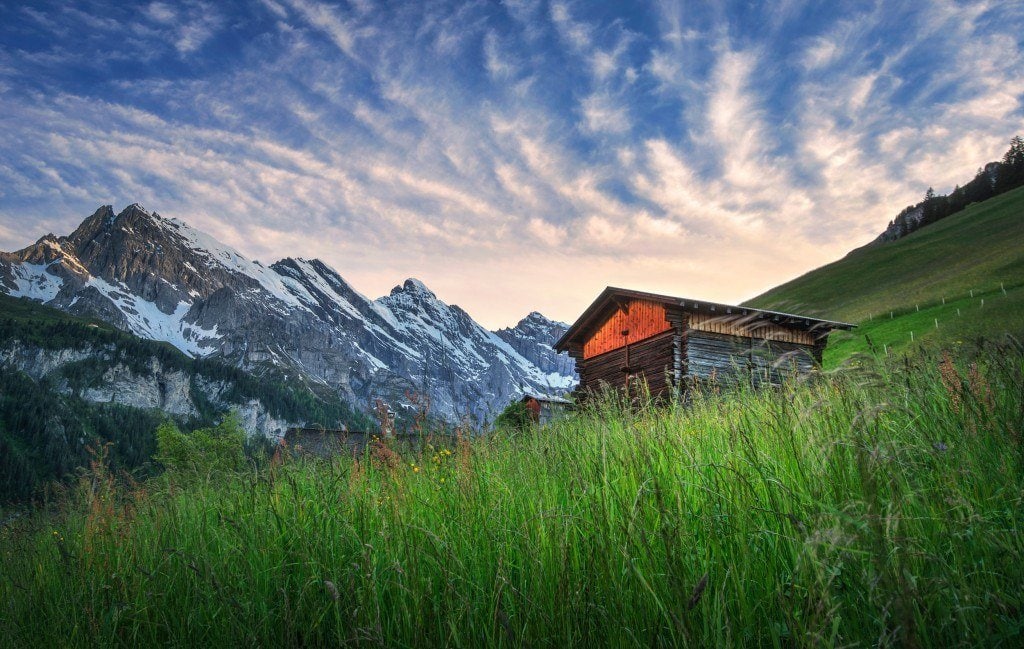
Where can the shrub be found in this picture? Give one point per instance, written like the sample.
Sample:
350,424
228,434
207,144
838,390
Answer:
515,416
204,452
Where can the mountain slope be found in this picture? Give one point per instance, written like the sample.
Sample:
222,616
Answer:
68,384
534,338
922,283
163,280
974,249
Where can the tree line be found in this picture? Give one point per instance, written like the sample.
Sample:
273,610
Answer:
991,180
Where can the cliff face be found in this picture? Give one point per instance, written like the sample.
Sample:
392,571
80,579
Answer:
534,338
163,280
145,385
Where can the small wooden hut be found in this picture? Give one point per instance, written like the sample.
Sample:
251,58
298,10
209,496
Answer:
545,409
321,442
672,342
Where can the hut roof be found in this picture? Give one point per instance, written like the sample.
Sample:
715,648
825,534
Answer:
545,399
611,297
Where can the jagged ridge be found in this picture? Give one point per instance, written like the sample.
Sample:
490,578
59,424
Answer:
163,280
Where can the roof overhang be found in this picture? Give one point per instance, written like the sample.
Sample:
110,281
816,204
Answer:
611,297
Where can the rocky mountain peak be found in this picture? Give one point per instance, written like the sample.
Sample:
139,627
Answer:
536,318
534,338
414,288
44,251
133,221
537,323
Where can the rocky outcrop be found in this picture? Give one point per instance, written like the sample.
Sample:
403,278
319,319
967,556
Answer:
154,387
905,222
534,338
38,363
169,391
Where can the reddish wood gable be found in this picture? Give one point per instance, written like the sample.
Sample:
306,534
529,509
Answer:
641,318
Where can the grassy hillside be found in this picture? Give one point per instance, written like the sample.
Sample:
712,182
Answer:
907,285
813,515
957,322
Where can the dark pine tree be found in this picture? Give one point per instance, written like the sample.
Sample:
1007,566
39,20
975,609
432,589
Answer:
1011,168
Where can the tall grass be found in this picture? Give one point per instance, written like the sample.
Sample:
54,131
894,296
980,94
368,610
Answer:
876,506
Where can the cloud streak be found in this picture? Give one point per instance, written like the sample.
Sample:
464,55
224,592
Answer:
517,156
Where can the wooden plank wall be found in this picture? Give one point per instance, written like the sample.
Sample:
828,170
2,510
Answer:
747,327
652,359
714,355
642,318
728,358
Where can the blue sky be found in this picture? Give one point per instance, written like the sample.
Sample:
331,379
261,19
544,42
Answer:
513,155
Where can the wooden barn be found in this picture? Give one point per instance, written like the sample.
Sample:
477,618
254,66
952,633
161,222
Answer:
673,342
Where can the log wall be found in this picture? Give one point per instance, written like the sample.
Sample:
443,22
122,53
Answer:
652,359
641,318
726,358
747,327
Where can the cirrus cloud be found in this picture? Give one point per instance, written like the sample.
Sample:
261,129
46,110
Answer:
514,156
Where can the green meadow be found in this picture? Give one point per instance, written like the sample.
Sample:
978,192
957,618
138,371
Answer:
952,324
879,505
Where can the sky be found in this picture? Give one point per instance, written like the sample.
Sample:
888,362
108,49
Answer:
516,155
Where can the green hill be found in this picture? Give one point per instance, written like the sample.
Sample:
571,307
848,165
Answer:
961,278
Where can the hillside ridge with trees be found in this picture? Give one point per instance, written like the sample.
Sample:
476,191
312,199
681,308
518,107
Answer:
993,179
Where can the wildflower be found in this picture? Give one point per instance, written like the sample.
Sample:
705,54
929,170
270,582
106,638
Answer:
950,380
940,447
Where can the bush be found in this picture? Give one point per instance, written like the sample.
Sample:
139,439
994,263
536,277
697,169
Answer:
515,416
204,452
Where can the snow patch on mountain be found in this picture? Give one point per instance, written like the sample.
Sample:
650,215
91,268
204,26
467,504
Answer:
32,281
215,252
321,284
146,320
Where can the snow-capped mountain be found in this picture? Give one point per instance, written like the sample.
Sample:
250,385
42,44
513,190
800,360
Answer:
534,338
163,280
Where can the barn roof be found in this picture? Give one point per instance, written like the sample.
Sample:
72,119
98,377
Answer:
611,296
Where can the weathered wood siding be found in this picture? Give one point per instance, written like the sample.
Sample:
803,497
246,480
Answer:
651,359
727,357
641,318
746,327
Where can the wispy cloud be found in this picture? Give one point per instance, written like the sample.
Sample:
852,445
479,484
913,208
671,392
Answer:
534,151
